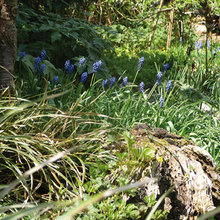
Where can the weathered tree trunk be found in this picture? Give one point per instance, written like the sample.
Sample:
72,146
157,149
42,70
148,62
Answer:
8,41
155,23
187,169
170,26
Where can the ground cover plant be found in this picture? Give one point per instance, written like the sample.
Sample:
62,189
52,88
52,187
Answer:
65,143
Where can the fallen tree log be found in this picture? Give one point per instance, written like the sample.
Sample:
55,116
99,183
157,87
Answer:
187,168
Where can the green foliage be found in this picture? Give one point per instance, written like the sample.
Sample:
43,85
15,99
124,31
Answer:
42,120
62,38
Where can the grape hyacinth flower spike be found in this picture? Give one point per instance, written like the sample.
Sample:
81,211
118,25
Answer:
208,43
181,39
169,85
55,80
83,77
96,66
112,82
142,87
22,55
43,55
140,63
161,101
70,69
104,82
198,45
159,77
66,65
42,68
37,64
82,61
165,67
124,82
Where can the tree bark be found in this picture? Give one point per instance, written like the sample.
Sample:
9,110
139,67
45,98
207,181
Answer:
155,23
170,27
8,41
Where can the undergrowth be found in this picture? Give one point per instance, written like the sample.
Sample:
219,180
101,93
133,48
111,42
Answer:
65,146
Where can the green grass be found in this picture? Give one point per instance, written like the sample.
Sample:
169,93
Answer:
60,145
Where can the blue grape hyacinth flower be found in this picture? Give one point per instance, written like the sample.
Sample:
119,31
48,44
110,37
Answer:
198,45
70,69
142,87
84,77
124,82
43,54
181,39
112,82
66,65
22,55
208,43
140,63
161,101
166,67
37,64
82,61
159,77
96,66
169,85
104,82
42,68
55,80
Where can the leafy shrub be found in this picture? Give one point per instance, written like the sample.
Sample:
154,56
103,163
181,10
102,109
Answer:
63,39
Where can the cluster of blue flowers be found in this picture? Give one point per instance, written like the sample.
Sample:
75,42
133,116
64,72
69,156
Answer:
38,65
142,87
22,55
140,63
84,77
161,101
158,81
82,61
124,81
104,82
96,66
198,45
69,68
